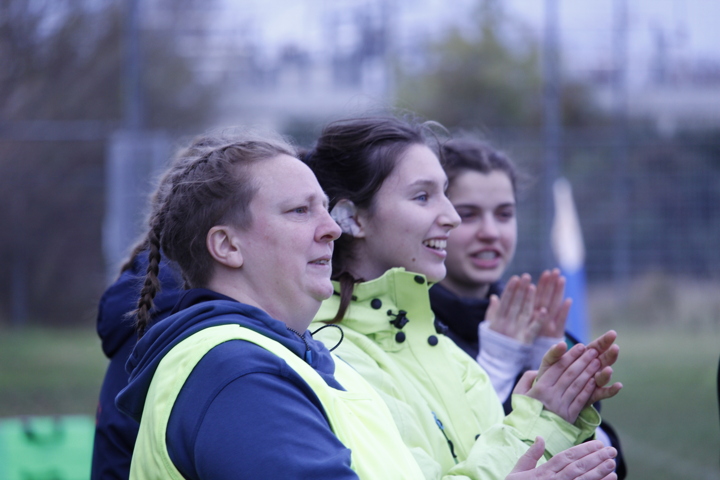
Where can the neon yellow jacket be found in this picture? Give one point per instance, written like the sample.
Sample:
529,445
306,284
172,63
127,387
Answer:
436,393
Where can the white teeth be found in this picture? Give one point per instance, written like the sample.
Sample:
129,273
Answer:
321,262
486,255
436,244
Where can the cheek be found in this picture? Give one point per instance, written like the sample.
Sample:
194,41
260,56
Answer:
460,237
509,238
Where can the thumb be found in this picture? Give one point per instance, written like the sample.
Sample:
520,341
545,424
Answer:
530,458
492,309
526,382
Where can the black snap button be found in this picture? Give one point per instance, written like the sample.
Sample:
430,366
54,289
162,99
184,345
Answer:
400,337
440,327
376,303
432,340
419,279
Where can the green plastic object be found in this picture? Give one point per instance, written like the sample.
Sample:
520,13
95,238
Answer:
46,448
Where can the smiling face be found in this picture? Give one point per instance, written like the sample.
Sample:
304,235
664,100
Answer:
408,222
481,248
287,249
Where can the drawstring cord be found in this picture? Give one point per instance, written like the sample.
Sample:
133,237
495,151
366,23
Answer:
342,334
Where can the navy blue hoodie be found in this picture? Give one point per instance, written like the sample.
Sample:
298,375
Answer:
243,412
115,432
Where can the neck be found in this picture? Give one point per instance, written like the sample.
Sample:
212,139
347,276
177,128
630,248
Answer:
298,318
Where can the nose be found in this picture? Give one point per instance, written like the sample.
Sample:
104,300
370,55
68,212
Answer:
449,216
488,228
328,230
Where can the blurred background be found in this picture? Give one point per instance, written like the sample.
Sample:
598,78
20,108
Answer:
621,97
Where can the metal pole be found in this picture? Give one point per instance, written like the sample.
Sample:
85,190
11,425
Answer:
133,117
552,123
621,240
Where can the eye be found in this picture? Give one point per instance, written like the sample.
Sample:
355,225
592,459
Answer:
506,214
300,210
422,197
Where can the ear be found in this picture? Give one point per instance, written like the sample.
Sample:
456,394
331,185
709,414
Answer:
361,217
345,215
224,246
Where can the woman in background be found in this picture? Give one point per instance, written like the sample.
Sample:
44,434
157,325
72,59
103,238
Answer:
507,329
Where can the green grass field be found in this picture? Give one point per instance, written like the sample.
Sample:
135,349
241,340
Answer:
666,414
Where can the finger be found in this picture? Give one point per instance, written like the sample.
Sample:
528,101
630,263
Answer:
558,295
525,383
507,296
561,318
603,342
603,377
570,369
610,356
493,307
579,400
544,289
529,459
520,297
527,317
568,457
537,321
557,359
598,465
605,393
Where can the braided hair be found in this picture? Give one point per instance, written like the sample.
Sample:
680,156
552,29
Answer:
207,184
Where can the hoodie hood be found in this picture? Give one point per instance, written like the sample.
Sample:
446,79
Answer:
196,310
114,327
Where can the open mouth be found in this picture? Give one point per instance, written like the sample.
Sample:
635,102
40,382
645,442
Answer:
486,255
321,261
436,244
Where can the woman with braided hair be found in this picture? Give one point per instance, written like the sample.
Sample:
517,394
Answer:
231,385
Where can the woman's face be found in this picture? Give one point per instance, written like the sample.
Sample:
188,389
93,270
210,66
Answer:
287,249
481,248
408,223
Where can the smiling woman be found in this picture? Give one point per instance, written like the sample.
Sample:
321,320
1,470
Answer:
387,189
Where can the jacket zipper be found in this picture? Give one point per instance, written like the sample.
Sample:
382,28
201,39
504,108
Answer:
442,430
308,353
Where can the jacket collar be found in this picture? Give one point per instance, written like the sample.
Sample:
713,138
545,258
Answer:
376,305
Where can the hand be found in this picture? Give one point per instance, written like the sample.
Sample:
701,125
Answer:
587,461
512,315
566,381
549,298
608,353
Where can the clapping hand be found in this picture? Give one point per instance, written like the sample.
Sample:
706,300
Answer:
587,461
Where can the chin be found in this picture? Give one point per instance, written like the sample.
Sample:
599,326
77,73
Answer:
323,293
435,275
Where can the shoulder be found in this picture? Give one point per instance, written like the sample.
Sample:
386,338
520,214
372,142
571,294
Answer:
240,394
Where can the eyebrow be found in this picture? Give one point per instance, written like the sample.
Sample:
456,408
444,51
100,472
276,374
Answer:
425,183
475,207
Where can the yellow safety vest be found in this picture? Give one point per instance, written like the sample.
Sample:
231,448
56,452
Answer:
358,416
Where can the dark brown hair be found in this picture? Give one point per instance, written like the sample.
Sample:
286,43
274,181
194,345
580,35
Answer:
351,160
462,154
207,184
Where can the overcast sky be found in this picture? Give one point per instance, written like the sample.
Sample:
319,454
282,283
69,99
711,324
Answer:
586,26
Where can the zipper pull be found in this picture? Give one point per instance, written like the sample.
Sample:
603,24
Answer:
442,430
